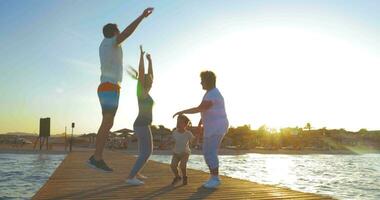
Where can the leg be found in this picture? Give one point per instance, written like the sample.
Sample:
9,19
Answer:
109,101
102,135
145,146
212,154
174,165
183,164
206,150
214,172
148,147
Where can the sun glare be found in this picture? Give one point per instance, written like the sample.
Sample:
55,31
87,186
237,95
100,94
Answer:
282,76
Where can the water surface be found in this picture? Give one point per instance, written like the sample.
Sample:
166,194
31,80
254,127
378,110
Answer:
339,176
22,175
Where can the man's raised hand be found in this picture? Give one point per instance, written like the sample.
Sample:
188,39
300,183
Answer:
147,12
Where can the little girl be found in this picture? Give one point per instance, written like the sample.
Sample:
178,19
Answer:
181,151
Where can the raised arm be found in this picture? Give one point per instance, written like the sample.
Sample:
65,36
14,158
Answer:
150,67
132,27
141,78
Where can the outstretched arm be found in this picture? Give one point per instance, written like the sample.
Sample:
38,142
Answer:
132,27
141,78
150,65
202,107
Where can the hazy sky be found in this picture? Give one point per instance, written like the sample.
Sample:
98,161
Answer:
279,63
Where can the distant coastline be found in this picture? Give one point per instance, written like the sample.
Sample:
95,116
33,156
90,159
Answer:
59,149
239,140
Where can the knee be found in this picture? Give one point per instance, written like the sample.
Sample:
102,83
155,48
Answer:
207,155
210,157
144,156
107,122
182,165
211,153
149,150
213,157
108,126
174,166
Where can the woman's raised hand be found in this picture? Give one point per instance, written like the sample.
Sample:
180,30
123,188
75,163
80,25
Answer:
148,56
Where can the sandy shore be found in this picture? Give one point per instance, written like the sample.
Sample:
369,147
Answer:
28,149
242,152
60,149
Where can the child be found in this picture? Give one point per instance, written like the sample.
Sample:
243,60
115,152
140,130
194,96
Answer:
181,151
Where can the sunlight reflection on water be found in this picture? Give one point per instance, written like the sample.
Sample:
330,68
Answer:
340,176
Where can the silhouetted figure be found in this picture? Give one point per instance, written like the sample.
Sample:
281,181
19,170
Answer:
181,151
111,60
143,121
215,124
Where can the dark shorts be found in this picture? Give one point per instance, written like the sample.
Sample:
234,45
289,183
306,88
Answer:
108,94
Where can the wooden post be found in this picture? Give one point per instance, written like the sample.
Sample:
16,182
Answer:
65,138
72,136
40,142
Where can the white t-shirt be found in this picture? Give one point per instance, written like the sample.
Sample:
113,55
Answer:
181,141
111,61
214,119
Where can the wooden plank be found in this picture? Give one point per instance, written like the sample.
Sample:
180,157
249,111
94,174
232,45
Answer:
74,180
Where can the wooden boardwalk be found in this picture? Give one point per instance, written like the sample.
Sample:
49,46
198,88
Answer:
74,180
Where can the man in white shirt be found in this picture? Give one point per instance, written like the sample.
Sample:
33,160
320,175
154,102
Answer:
215,124
111,61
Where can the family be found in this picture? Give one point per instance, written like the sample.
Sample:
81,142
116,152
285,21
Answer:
211,108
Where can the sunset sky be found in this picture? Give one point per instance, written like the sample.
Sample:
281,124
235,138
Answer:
279,63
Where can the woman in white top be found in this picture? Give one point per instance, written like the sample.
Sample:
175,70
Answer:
215,124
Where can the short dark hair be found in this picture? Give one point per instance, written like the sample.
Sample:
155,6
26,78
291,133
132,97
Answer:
109,30
209,77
